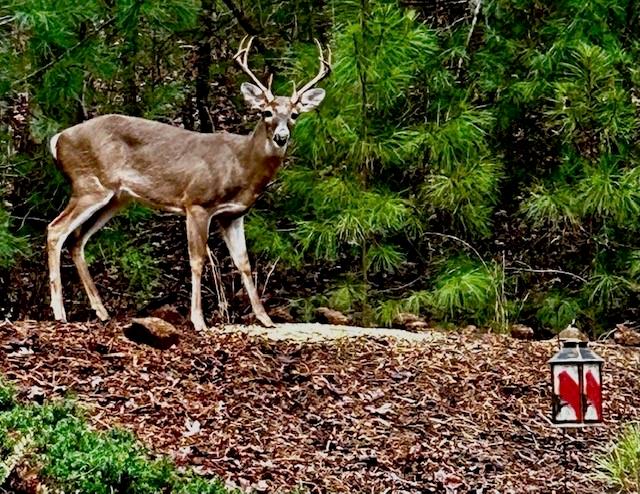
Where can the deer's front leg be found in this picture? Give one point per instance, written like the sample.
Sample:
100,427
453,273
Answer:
233,234
197,233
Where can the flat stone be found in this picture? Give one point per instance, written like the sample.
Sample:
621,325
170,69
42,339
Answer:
416,326
314,332
403,319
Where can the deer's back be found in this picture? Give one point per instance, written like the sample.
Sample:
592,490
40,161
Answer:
154,162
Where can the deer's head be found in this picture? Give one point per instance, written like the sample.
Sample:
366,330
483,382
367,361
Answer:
279,113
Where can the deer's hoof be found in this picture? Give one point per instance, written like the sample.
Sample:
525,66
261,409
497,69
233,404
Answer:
59,315
199,326
265,320
102,314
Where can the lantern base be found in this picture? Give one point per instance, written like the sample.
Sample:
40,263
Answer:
580,425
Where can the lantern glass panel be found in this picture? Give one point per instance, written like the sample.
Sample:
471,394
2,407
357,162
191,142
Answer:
592,391
566,390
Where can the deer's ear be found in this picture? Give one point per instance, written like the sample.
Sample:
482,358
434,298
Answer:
253,95
311,99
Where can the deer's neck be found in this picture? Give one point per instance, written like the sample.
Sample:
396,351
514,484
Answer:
263,156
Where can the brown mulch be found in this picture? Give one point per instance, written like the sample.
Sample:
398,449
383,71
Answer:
466,413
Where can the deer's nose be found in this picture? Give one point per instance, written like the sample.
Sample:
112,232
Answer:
280,139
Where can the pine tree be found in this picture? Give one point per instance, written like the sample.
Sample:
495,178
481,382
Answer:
345,196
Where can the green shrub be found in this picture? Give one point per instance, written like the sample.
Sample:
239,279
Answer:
557,310
464,288
7,393
620,466
118,249
56,441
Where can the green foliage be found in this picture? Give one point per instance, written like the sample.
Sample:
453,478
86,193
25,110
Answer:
349,294
305,308
557,310
464,288
607,290
7,393
55,440
620,466
265,239
448,165
11,245
124,254
553,208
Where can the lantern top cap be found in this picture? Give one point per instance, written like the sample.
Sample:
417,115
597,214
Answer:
575,352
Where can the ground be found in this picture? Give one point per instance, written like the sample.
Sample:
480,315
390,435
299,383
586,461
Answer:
456,412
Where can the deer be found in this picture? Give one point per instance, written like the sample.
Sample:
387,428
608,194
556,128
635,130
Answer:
113,160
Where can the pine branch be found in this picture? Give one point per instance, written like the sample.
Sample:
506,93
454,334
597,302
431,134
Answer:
47,66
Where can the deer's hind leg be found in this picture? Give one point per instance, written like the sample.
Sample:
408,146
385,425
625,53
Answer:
233,234
197,232
82,235
79,210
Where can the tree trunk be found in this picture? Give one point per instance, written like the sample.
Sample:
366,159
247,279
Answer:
203,64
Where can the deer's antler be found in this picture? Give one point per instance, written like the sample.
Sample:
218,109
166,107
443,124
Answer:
242,58
325,70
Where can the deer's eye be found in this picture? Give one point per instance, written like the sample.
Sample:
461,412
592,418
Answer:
294,115
267,114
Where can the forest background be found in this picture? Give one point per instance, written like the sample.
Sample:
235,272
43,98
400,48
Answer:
474,162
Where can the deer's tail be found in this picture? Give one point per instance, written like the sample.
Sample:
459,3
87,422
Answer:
53,145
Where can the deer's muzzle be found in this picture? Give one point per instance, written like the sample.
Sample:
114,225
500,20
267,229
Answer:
280,139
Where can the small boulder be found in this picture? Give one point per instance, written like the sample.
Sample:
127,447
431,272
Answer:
626,336
331,316
282,313
403,318
170,314
416,326
521,332
152,331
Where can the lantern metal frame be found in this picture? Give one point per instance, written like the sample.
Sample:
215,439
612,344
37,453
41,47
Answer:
575,354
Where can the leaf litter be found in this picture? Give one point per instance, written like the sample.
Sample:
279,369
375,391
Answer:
461,413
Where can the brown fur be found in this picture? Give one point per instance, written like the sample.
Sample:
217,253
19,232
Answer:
164,166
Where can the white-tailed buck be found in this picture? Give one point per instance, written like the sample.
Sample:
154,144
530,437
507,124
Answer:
114,159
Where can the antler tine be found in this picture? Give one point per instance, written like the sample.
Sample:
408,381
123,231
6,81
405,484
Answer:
242,58
240,48
245,59
324,71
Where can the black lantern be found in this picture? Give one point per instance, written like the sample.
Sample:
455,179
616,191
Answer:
576,380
